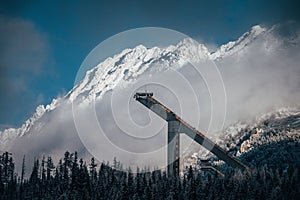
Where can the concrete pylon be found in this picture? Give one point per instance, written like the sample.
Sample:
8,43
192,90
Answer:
173,148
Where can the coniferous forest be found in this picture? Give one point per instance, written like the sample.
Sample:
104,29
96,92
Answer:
74,178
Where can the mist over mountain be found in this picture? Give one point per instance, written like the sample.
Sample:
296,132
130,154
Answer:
99,117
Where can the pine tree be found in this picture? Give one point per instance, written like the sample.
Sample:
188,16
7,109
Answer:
23,170
43,169
50,168
1,177
75,173
130,183
93,170
34,177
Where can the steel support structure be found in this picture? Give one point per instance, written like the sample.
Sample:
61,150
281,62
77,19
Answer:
177,125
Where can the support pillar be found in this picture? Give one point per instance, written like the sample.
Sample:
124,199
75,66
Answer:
173,148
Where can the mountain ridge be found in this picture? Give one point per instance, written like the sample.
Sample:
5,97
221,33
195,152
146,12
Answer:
127,66
271,131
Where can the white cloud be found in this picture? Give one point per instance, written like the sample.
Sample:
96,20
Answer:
263,76
23,47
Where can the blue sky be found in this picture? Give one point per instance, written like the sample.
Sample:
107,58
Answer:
43,43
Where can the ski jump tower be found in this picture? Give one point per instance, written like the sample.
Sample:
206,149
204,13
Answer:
176,125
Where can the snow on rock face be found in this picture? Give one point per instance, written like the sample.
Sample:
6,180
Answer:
131,63
8,135
236,46
192,50
275,126
241,138
126,67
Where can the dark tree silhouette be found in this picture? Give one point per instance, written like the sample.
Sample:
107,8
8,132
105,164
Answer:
71,179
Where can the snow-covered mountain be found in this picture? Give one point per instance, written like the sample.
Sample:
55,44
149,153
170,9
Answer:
126,67
236,46
131,63
8,135
272,138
